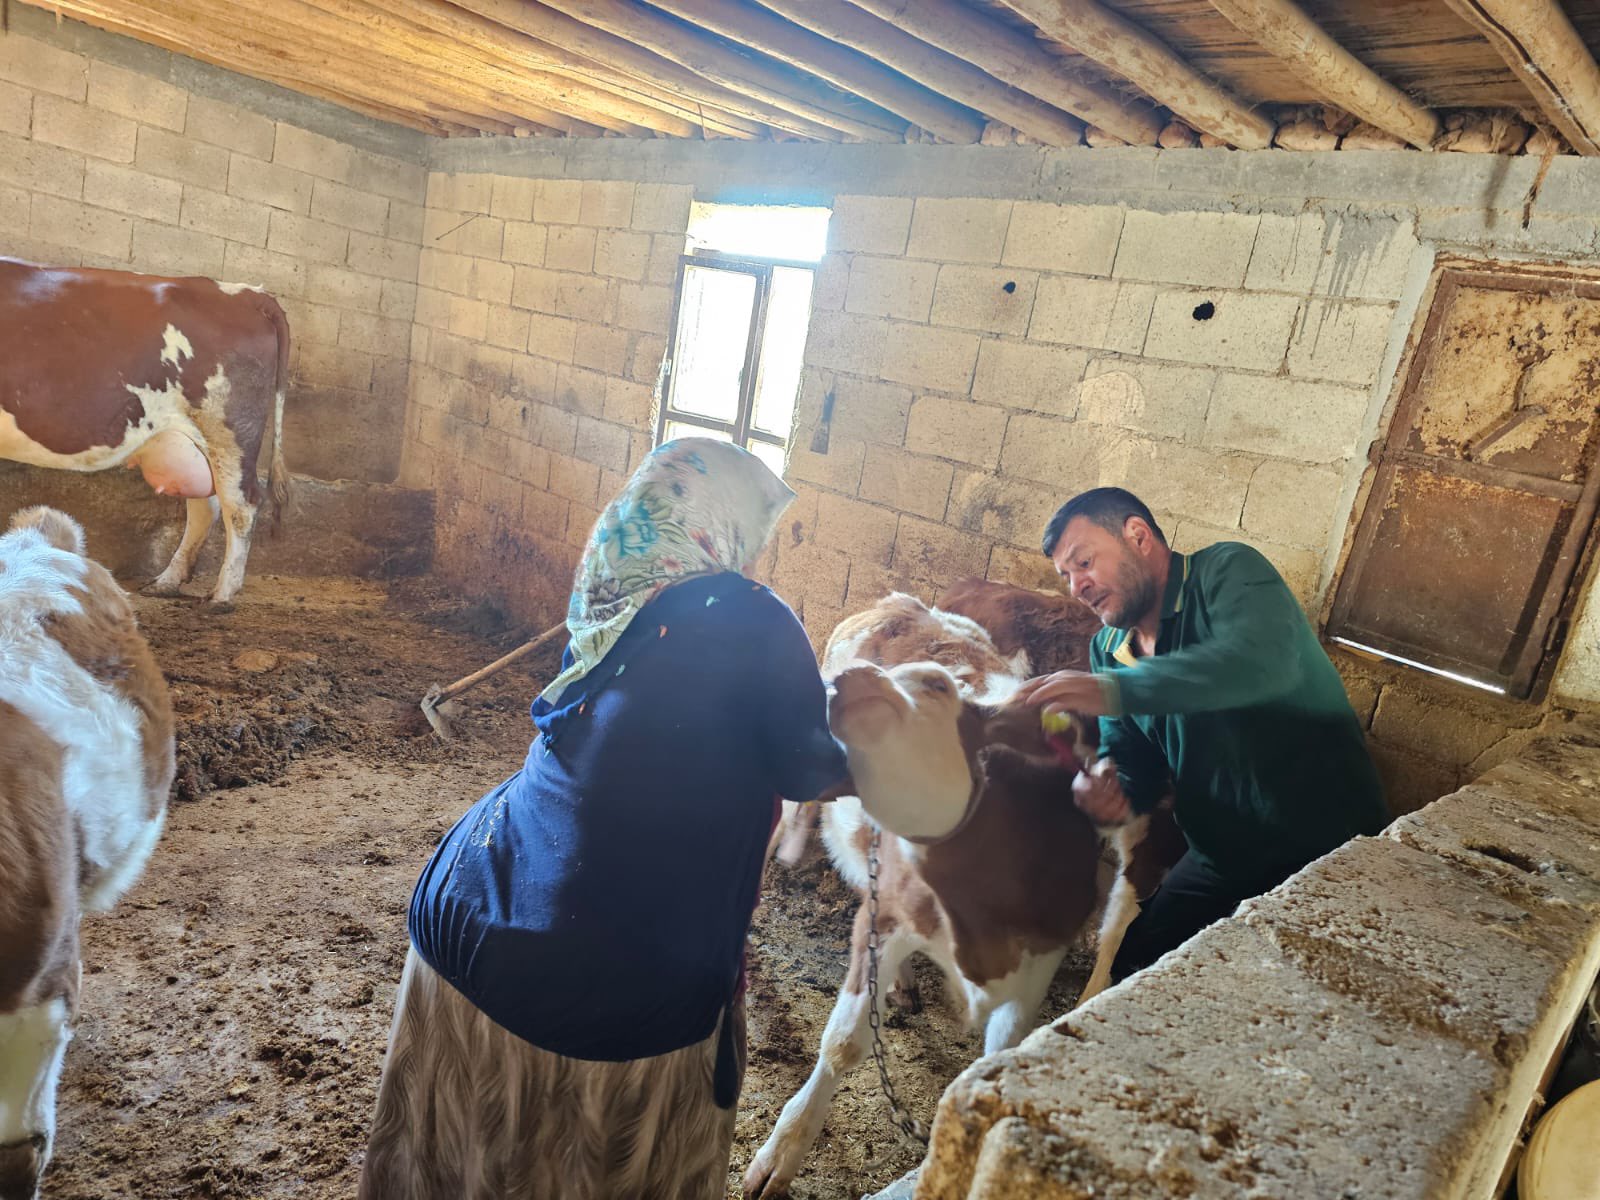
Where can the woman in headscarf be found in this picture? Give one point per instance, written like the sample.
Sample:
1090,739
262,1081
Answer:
570,1023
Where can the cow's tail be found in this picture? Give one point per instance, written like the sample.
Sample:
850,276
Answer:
277,470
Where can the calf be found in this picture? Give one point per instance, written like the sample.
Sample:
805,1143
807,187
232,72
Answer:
986,864
179,377
86,761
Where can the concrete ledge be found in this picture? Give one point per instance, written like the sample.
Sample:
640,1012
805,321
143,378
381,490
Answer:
338,527
1378,1026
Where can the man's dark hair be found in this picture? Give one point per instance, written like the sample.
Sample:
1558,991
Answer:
1107,507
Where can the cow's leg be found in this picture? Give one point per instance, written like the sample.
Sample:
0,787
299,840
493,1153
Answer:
905,994
1013,1002
33,1042
845,1042
1122,906
238,520
197,519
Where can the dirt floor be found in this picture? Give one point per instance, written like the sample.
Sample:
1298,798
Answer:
236,1003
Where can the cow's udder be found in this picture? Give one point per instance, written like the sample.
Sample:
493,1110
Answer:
174,466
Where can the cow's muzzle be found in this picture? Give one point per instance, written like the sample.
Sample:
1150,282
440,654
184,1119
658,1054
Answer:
21,1165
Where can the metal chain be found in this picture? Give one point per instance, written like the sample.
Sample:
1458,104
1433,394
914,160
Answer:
898,1113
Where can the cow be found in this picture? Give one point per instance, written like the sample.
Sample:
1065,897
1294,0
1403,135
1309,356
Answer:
985,864
178,377
87,758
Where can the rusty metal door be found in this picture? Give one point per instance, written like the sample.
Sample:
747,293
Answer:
1486,484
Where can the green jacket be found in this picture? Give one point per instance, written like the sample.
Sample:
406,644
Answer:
1242,710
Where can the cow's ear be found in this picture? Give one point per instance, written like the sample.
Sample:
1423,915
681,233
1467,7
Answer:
60,530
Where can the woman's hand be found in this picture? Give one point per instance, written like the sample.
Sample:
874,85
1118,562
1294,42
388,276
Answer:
1075,691
1099,796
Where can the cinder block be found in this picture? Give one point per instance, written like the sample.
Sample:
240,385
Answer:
346,289
581,391
863,530
993,300
385,176
1293,503
335,366
648,355
927,357
602,348
231,127
137,97
383,257
971,231
511,198
1187,480
1012,512
629,404
524,243
340,205
907,482
666,255
225,216
1068,454
14,204
447,272
405,222
58,122
1454,734
1101,314
1201,248
622,254
469,318
508,327
310,322
583,297
1223,329
869,225
176,157
559,201
1078,239
552,337
132,192
838,470
831,283
603,444
535,288
277,273
891,287
558,433
1153,399
644,308
377,336
875,413
570,248
1342,342
1308,422
312,153
16,110
482,237
163,250
533,379
492,281
845,342
607,203
265,183
1029,375
958,429
308,239
662,207
84,229
1025,567
464,193
39,168
925,550
44,68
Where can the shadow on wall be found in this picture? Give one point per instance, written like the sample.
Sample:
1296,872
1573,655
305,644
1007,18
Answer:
370,530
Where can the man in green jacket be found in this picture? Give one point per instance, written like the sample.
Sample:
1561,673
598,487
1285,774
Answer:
1209,682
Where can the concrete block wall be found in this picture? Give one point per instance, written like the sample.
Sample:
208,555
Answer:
542,315
117,155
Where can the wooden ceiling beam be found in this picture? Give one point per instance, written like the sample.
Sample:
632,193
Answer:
519,50
241,55
1549,57
631,61
752,74
839,65
1285,31
1017,59
929,65
1120,46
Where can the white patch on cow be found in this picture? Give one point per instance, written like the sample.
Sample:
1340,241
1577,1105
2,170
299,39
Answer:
1008,1008
33,1041
175,346
233,289
97,729
840,821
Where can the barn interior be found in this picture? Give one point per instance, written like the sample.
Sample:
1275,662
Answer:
1320,276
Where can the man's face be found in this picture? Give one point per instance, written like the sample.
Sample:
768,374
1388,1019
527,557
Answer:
1106,571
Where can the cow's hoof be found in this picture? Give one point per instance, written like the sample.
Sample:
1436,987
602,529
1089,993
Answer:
765,1179
160,587
220,607
906,999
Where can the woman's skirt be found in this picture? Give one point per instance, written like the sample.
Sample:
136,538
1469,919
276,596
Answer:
469,1111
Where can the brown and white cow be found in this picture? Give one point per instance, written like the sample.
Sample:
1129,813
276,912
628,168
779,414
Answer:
986,865
86,761
179,377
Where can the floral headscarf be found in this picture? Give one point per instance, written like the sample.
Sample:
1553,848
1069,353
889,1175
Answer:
695,506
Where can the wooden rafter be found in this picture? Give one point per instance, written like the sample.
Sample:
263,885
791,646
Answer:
1017,59
839,65
520,52
1339,77
1150,64
843,22
1544,51
753,74
630,61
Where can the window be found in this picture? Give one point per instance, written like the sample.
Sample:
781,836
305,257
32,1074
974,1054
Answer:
1485,488
738,339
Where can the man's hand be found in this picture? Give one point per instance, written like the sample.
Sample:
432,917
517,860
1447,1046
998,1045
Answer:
1098,794
1075,691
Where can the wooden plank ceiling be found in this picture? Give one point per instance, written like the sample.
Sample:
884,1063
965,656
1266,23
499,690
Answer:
1498,75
